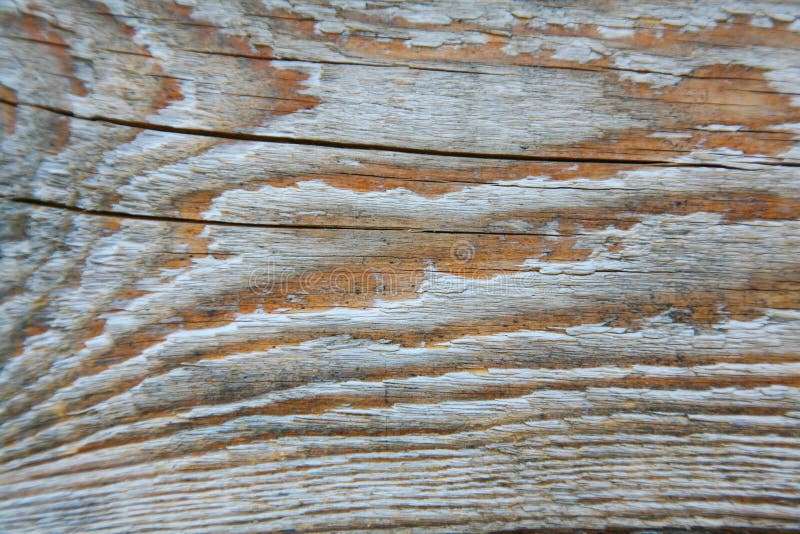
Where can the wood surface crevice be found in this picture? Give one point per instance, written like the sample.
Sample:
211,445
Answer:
212,222
221,134
345,266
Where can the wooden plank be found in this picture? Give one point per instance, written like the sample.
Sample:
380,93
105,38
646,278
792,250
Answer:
425,267
617,80
325,348
154,173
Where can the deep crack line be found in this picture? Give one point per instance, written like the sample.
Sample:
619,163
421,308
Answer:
278,226
375,147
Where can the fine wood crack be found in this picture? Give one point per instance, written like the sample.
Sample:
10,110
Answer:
384,148
212,222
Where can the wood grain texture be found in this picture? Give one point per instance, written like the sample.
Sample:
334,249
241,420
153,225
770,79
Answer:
399,266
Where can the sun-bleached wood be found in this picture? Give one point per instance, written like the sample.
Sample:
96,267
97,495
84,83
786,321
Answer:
407,266
628,80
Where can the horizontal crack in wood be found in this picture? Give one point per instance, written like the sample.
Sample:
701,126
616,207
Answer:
379,147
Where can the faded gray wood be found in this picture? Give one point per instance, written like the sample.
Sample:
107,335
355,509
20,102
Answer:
446,266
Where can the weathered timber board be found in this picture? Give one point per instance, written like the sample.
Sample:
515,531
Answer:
625,80
399,266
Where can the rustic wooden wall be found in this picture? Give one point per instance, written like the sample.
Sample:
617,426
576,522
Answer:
453,266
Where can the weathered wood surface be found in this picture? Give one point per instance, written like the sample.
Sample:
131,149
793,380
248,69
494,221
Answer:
353,266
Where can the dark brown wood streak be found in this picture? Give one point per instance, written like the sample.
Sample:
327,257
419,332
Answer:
346,266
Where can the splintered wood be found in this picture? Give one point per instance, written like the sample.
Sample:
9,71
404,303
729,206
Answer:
455,266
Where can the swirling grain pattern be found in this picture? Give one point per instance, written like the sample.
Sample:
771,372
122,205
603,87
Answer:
334,265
